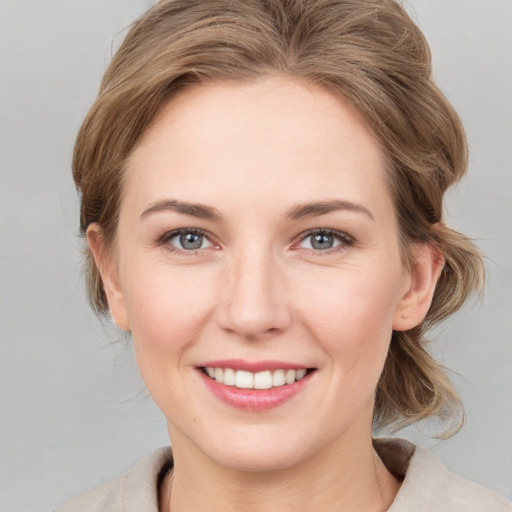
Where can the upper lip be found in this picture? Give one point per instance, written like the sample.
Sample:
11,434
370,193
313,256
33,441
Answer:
252,366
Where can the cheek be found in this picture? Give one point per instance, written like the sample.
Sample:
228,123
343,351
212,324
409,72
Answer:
167,308
352,316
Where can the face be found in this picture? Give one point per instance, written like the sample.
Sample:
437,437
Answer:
257,248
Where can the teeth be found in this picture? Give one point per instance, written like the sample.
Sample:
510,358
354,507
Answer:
301,373
229,377
290,376
260,380
244,380
278,378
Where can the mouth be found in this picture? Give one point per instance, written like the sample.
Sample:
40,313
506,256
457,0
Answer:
267,379
255,387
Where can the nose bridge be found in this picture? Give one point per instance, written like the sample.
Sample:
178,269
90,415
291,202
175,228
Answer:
254,301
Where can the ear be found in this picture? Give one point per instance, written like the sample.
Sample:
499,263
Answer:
108,271
415,302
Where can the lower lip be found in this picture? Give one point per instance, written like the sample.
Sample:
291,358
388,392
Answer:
255,399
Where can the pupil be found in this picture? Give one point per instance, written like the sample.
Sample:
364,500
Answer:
322,241
190,241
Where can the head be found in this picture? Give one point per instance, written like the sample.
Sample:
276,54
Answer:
368,56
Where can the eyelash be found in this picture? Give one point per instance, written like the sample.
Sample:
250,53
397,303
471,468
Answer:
167,237
344,239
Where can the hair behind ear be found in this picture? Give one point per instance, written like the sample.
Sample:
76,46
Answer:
413,385
462,275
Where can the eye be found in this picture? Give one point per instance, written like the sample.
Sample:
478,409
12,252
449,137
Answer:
186,240
324,240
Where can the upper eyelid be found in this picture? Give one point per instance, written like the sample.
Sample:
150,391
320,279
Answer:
168,235
340,234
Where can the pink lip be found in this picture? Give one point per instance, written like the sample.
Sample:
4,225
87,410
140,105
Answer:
254,399
254,367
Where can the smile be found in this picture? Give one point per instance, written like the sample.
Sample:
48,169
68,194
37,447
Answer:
255,386
243,379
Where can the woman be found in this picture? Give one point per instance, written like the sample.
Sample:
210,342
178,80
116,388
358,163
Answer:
262,188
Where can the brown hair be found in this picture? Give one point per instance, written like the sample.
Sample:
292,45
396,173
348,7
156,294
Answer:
368,53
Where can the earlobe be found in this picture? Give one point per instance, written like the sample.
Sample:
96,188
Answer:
427,265
109,277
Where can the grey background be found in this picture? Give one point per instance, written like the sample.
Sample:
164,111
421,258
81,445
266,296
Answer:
73,411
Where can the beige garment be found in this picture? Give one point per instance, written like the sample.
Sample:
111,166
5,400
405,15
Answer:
427,485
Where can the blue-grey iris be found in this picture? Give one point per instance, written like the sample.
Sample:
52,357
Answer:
191,241
322,241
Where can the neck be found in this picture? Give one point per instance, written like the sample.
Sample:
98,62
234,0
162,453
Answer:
343,476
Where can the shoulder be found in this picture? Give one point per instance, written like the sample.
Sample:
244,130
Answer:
108,496
431,482
429,486
134,491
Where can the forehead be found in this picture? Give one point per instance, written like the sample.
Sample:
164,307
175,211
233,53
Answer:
267,143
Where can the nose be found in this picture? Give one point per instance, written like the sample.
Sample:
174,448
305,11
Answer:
254,300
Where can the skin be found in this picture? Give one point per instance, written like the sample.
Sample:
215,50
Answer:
258,290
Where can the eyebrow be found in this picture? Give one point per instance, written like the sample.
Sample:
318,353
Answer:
297,212
200,211
304,210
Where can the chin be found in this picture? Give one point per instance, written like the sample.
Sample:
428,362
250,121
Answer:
259,449
259,459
